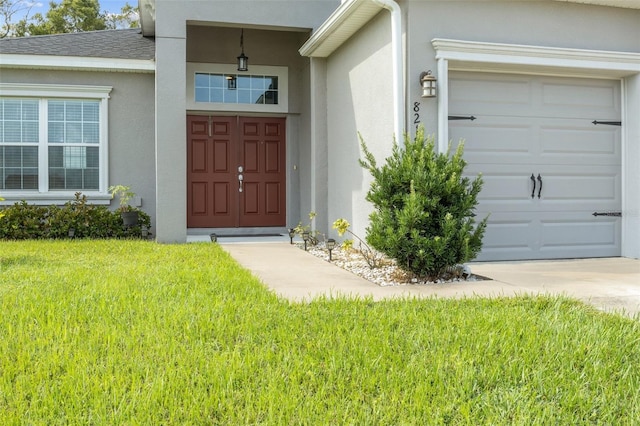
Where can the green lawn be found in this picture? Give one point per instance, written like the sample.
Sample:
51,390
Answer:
130,332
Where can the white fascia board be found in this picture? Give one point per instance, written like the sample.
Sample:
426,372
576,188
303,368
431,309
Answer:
630,4
335,30
79,63
55,90
495,53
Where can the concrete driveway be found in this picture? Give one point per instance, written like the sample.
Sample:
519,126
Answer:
610,284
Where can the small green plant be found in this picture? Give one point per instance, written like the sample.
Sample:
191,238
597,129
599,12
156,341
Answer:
1,212
424,207
314,235
124,194
371,256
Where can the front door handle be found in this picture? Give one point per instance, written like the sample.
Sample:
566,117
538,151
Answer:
539,181
533,179
240,180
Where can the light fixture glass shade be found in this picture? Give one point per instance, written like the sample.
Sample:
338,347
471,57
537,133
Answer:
428,83
331,244
243,62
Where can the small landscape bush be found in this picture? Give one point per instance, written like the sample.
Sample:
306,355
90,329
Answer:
26,221
424,207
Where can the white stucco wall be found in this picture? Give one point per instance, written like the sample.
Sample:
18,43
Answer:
171,130
318,165
536,23
359,99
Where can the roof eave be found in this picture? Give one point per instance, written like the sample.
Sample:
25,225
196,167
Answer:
352,15
344,22
78,63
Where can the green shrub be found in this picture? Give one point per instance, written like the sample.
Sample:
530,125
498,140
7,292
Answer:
424,207
25,221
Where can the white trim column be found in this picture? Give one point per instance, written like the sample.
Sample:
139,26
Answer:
631,167
319,173
443,105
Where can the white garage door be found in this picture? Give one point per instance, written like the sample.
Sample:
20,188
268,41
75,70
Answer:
546,167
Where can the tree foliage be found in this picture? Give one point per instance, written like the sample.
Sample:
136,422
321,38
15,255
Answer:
67,16
8,10
424,207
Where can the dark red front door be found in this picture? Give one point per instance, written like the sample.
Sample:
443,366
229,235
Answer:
236,172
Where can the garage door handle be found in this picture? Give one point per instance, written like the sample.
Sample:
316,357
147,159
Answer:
540,181
533,191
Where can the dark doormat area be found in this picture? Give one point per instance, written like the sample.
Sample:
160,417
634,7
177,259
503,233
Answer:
247,235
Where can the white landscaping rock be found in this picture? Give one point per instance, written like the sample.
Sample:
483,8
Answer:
387,275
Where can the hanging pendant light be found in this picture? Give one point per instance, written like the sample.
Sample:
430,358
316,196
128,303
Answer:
243,60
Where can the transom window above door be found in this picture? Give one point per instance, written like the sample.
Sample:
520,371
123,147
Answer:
220,87
236,89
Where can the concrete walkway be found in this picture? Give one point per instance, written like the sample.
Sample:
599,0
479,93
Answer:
611,284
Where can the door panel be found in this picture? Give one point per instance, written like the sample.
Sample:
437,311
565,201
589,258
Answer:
263,154
211,199
251,198
272,197
542,127
216,148
200,198
509,236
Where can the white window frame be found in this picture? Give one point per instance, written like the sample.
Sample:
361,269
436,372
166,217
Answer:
283,88
44,93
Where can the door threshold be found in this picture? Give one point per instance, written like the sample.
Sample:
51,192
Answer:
239,235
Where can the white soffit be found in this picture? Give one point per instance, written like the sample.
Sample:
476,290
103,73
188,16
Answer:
76,63
471,55
629,4
344,22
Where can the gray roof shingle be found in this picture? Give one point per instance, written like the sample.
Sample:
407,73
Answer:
119,44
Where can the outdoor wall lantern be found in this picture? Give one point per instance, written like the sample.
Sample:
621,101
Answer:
292,233
305,237
428,83
243,60
214,237
331,244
